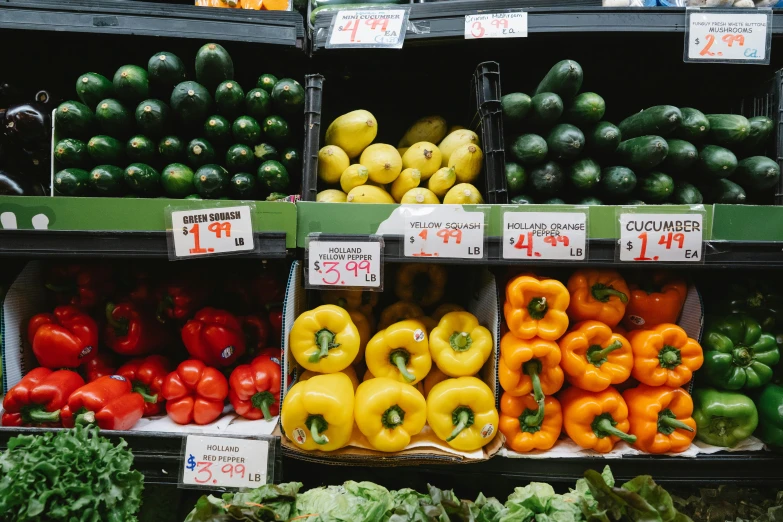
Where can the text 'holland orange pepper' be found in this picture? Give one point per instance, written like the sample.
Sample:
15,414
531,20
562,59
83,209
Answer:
664,355
657,300
594,357
595,420
600,295
536,308
528,365
660,418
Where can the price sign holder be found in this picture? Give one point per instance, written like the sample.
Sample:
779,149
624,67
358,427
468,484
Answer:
443,232
352,263
223,462
652,235
368,28
219,230
541,233
504,24
728,35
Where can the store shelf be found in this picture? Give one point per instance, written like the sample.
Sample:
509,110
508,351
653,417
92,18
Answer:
119,17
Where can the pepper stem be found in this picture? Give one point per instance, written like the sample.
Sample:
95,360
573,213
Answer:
325,340
317,424
537,308
262,401
669,357
85,418
603,426
532,368
399,359
597,355
460,341
120,327
742,357
602,292
674,423
463,419
145,393
43,416
531,422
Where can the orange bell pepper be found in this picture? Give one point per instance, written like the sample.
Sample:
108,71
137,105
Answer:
526,425
656,301
536,307
664,355
595,420
660,418
594,358
600,295
529,365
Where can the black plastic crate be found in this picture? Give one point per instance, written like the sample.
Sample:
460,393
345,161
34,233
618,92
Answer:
486,83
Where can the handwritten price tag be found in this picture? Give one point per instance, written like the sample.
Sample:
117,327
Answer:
545,235
368,28
225,462
211,231
443,231
735,35
344,263
512,24
661,237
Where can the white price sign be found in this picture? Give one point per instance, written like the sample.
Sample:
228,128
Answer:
443,231
207,231
225,462
661,237
729,35
560,236
368,28
344,263
512,24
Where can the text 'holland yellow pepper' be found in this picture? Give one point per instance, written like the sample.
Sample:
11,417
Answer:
400,352
324,340
389,413
460,345
462,412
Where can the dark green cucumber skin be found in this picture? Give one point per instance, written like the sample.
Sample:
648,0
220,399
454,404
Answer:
213,66
660,120
246,130
529,149
217,130
515,107
686,194
92,88
564,79
545,109
515,177
288,96
172,186
276,130
642,153
142,179
728,130
590,201
141,149
239,158
193,196
694,126
72,182
760,131
74,120
165,70
618,181
757,173
521,199
273,175
682,156
191,102
265,152
584,174
565,142
114,119
229,99
656,187
106,150
725,191
258,103
717,162
107,180
291,159
211,181
586,109
71,153
267,82
171,149
603,138
153,118
131,84
547,178
243,185
200,152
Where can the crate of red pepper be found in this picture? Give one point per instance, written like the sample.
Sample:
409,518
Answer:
143,346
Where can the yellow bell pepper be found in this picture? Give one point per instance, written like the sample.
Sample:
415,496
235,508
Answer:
421,283
389,413
418,385
429,322
349,371
318,413
462,412
324,340
460,345
445,308
536,307
351,299
400,352
399,311
362,324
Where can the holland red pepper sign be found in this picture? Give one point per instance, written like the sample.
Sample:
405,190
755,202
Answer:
228,462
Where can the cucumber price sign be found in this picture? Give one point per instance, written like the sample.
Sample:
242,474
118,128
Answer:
663,238
344,264
370,28
532,236
728,35
442,231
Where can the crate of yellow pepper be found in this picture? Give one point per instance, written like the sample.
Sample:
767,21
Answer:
406,375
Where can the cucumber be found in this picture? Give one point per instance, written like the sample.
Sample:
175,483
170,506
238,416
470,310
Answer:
191,102
211,181
590,201
200,152
660,120
686,194
177,180
618,181
276,196
565,142
193,196
257,103
114,119
563,79
229,99
171,149
107,180
74,120
529,149
634,202
522,199
246,129
213,66
142,179
515,177
725,191
153,118
547,178
728,129
642,153
682,155
717,162
656,187
105,150
694,126
267,82
515,107
757,173
587,108
165,70
553,201
131,84
217,130
91,88
276,130
140,149
243,186
273,175
239,158
291,160
760,131
72,182
545,109
265,152
71,153
288,96
603,138
584,174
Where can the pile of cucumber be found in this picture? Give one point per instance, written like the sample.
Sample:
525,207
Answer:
559,150
209,139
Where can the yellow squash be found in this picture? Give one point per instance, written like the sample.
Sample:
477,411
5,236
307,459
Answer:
454,128
332,162
466,162
408,179
331,196
424,156
382,161
453,141
369,194
429,128
419,196
442,181
463,194
352,132
353,176
389,412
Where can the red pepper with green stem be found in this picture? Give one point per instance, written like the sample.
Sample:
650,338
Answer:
109,402
129,331
214,337
37,399
146,377
180,301
67,338
254,389
83,286
195,393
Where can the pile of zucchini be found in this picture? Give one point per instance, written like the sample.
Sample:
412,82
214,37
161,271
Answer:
211,140
558,148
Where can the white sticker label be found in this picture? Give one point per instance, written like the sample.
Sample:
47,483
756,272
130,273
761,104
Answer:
344,263
735,36
443,231
487,431
225,462
545,235
418,335
661,237
368,28
300,437
496,25
212,231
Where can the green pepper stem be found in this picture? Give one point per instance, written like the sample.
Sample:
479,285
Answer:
43,416
464,416
399,360
394,418
669,358
86,418
324,338
605,425
144,392
120,327
262,401
532,368
461,340
602,293
534,420
674,423
537,308
317,437
599,355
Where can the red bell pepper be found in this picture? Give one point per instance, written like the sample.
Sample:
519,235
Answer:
146,377
214,337
268,288
254,389
129,331
257,330
66,339
109,402
195,393
83,286
37,399
276,321
180,301
100,365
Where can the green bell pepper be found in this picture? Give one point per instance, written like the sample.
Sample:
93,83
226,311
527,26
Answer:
760,300
723,418
770,408
737,354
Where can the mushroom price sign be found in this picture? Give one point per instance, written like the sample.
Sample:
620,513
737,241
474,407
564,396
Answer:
545,236
368,28
661,237
344,264
212,462
443,231
510,24
728,35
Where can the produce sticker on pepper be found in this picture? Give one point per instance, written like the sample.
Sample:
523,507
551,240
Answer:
545,236
224,462
211,231
661,237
